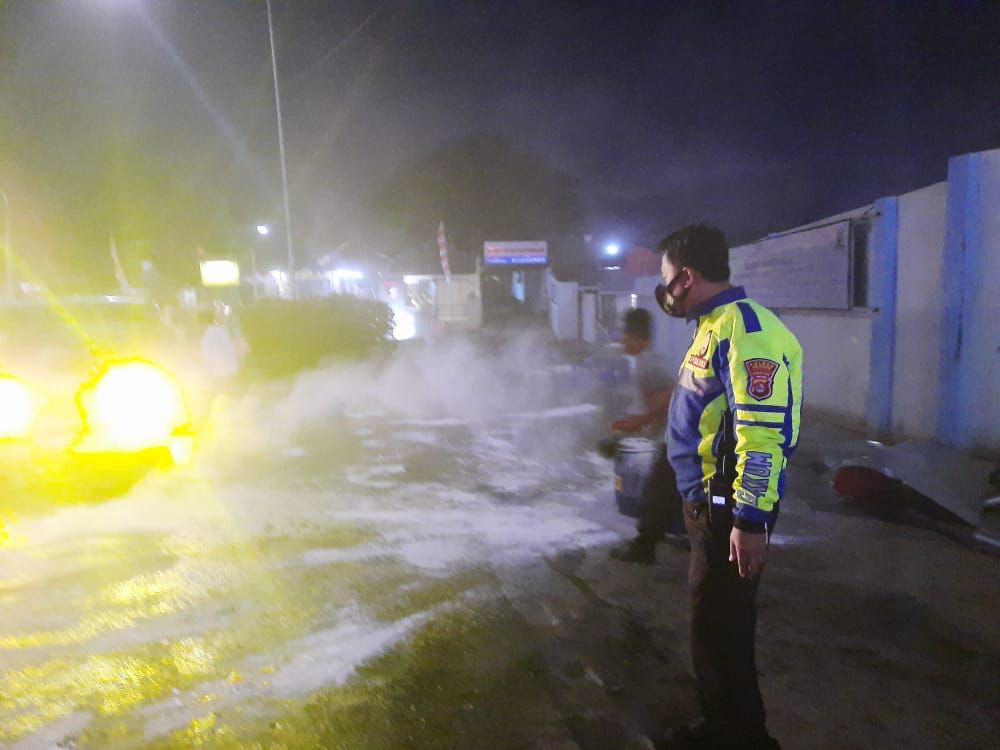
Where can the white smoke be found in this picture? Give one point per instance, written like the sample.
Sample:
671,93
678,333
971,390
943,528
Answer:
457,381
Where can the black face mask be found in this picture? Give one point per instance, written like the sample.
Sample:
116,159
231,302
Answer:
671,305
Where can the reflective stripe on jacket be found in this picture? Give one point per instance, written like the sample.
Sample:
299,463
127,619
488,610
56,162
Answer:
735,412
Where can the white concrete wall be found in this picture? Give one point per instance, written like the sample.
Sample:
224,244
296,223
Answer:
920,252
563,301
836,350
535,285
839,361
459,302
984,288
588,315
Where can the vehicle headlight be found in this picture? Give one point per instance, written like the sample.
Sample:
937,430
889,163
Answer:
130,406
404,325
18,408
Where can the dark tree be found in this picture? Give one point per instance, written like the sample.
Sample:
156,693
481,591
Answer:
483,188
157,209
162,211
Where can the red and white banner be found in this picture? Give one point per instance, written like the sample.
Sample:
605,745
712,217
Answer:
443,251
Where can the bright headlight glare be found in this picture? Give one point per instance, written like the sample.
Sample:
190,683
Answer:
404,325
131,406
17,408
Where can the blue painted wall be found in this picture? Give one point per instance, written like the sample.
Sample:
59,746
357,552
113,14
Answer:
882,268
962,247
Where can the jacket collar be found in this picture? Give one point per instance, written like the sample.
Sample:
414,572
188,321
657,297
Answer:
732,294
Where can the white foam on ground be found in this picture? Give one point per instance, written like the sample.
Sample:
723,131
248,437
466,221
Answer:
448,422
363,415
576,410
424,437
330,656
473,530
365,477
322,659
384,469
329,555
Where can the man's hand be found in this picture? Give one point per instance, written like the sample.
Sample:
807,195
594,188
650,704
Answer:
631,423
748,551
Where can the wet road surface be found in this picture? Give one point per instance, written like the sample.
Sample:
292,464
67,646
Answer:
333,575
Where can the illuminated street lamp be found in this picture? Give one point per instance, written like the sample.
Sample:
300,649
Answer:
263,230
612,249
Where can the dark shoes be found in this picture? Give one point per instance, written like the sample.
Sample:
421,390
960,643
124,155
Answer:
698,736
640,551
643,551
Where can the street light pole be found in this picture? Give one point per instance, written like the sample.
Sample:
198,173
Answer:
8,265
281,153
263,230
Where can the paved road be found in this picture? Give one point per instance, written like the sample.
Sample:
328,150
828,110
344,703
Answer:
416,559
302,545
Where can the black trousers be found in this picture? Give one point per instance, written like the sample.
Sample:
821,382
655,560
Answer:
661,511
723,634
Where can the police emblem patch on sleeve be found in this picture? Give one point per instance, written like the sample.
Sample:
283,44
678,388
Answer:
761,374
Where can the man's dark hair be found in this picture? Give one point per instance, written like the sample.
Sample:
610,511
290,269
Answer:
701,247
638,323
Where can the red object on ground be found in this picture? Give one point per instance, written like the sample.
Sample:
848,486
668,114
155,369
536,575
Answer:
860,482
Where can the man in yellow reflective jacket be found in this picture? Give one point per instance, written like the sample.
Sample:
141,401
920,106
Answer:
733,424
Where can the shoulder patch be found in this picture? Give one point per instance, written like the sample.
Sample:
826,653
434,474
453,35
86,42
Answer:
760,374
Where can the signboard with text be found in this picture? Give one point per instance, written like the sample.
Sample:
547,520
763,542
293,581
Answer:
516,253
220,273
810,268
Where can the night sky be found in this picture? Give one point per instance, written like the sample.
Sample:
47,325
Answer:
755,115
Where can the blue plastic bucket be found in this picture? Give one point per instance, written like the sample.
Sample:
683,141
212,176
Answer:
633,461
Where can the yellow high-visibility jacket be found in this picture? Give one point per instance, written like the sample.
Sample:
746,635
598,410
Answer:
735,411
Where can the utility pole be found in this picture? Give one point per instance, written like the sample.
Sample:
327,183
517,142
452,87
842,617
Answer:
281,153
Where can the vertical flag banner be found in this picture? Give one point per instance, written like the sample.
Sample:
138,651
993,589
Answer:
119,271
443,250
